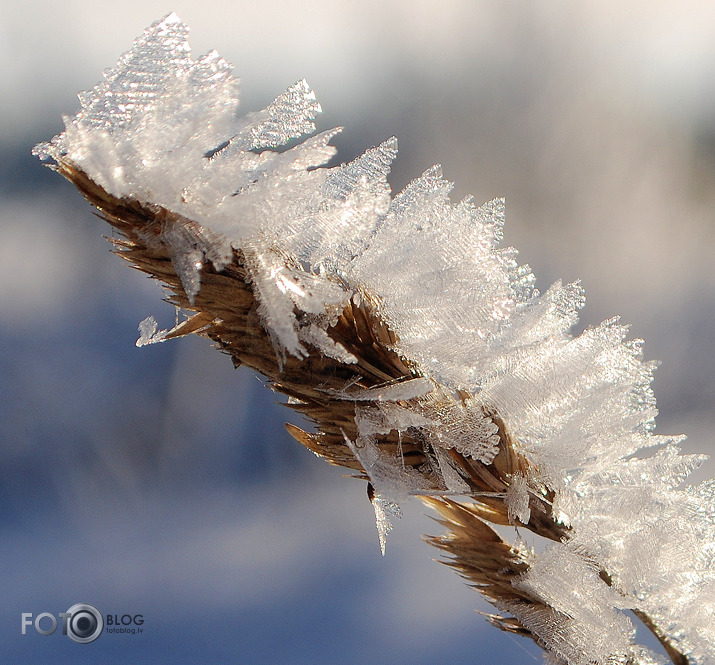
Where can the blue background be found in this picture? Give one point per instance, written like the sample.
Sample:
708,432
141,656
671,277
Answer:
161,481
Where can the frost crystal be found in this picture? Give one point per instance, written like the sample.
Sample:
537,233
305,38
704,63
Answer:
384,510
149,334
517,500
496,392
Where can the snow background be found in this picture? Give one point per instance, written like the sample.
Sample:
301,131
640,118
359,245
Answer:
159,480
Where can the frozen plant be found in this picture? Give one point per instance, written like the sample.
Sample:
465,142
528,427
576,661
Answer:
421,351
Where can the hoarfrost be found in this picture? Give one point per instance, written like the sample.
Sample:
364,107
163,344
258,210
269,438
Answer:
384,510
450,473
517,499
462,425
444,422
485,348
319,338
391,479
390,392
148,332
585,625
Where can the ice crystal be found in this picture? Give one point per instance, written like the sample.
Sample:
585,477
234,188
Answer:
517,499
485,349
384,510
580,603
148,332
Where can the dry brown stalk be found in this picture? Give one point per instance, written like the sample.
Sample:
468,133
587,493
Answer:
225,311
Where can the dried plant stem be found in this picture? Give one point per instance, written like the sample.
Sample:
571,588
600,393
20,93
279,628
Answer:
226,311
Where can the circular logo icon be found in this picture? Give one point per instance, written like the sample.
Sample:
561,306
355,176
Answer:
85,623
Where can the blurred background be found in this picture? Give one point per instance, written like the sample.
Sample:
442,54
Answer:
159,481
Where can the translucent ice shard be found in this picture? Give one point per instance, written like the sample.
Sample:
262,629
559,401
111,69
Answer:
385,512
390,392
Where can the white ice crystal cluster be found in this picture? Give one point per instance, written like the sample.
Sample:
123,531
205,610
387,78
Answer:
162,128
